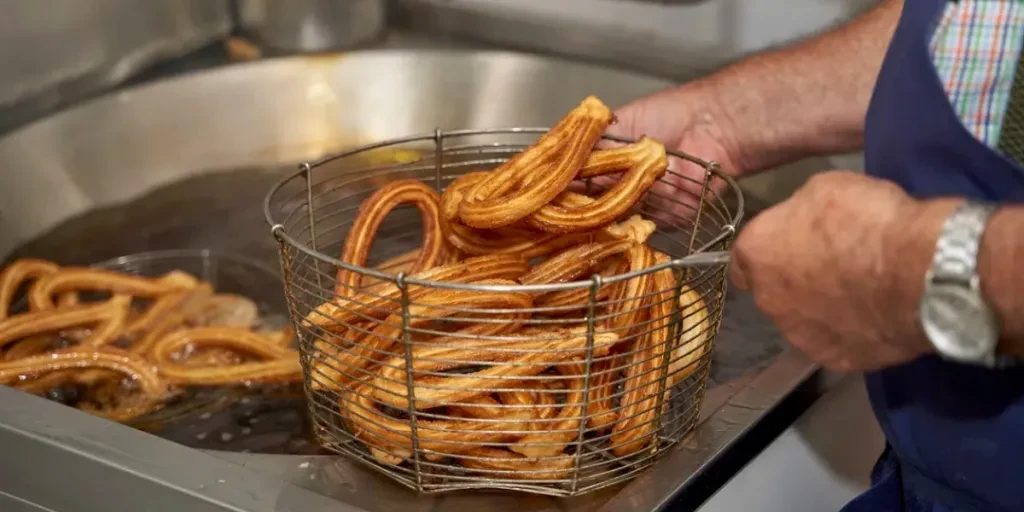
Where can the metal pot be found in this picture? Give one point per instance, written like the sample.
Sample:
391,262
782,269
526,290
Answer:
61,51
312,25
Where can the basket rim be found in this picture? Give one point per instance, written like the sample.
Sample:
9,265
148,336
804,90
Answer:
278,231
199,254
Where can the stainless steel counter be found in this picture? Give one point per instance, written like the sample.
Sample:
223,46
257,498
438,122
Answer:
818,464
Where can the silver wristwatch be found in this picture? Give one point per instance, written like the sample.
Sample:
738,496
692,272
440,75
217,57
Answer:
954,313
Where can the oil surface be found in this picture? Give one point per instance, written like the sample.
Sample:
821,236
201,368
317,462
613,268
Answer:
219,211
223,211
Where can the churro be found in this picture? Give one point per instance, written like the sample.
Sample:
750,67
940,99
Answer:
531,355
626,304
138,370
40,322
92,279
278,364
506,195
556,436
637,421
651,164
340,313
337,367
504,464
372,213
18,273
72,336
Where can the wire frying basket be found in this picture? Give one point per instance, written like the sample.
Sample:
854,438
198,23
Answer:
559,388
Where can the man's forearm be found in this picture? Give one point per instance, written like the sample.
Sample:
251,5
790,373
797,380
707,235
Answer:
807,99
1000,264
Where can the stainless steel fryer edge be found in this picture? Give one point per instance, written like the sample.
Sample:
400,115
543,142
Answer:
62,459
730,411
58,458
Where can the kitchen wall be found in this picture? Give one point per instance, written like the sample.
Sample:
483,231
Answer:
741,25
716,30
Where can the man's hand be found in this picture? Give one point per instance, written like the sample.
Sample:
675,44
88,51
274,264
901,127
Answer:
686,119
831,267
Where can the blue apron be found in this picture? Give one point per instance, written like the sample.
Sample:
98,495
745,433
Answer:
955,432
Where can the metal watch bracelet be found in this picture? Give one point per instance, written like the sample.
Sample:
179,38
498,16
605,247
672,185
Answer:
956,255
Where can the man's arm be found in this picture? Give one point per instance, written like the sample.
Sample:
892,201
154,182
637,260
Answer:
805,100
1000,264
840,268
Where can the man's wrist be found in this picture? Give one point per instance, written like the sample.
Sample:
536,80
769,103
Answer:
1002,250
911,244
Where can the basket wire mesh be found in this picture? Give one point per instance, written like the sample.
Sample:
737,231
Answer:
557,389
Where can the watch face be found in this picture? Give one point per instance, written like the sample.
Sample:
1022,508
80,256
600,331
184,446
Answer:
958,322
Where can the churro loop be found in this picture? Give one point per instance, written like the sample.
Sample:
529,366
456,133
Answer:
638,413
553,439
456,192
30,346
565,301
188,308
499,463
626,309
613,160
108,315
18,273
393,436
403,263
280,364
523,245
651,165
506,195
605,378
531,355
575,262
538,397
106,359
339,366
339,314
372,213
75,279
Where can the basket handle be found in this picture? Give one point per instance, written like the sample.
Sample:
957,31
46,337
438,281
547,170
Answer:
703,259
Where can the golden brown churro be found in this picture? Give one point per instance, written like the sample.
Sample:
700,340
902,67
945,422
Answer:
605,378
523,245
372,213
33,323
135,368
18,273
651,165
626,306
637,422
340,366
278,364
530,355
555,437
503,464
491,203
573,263
74,279
339,314
68,337
403,263
613,160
